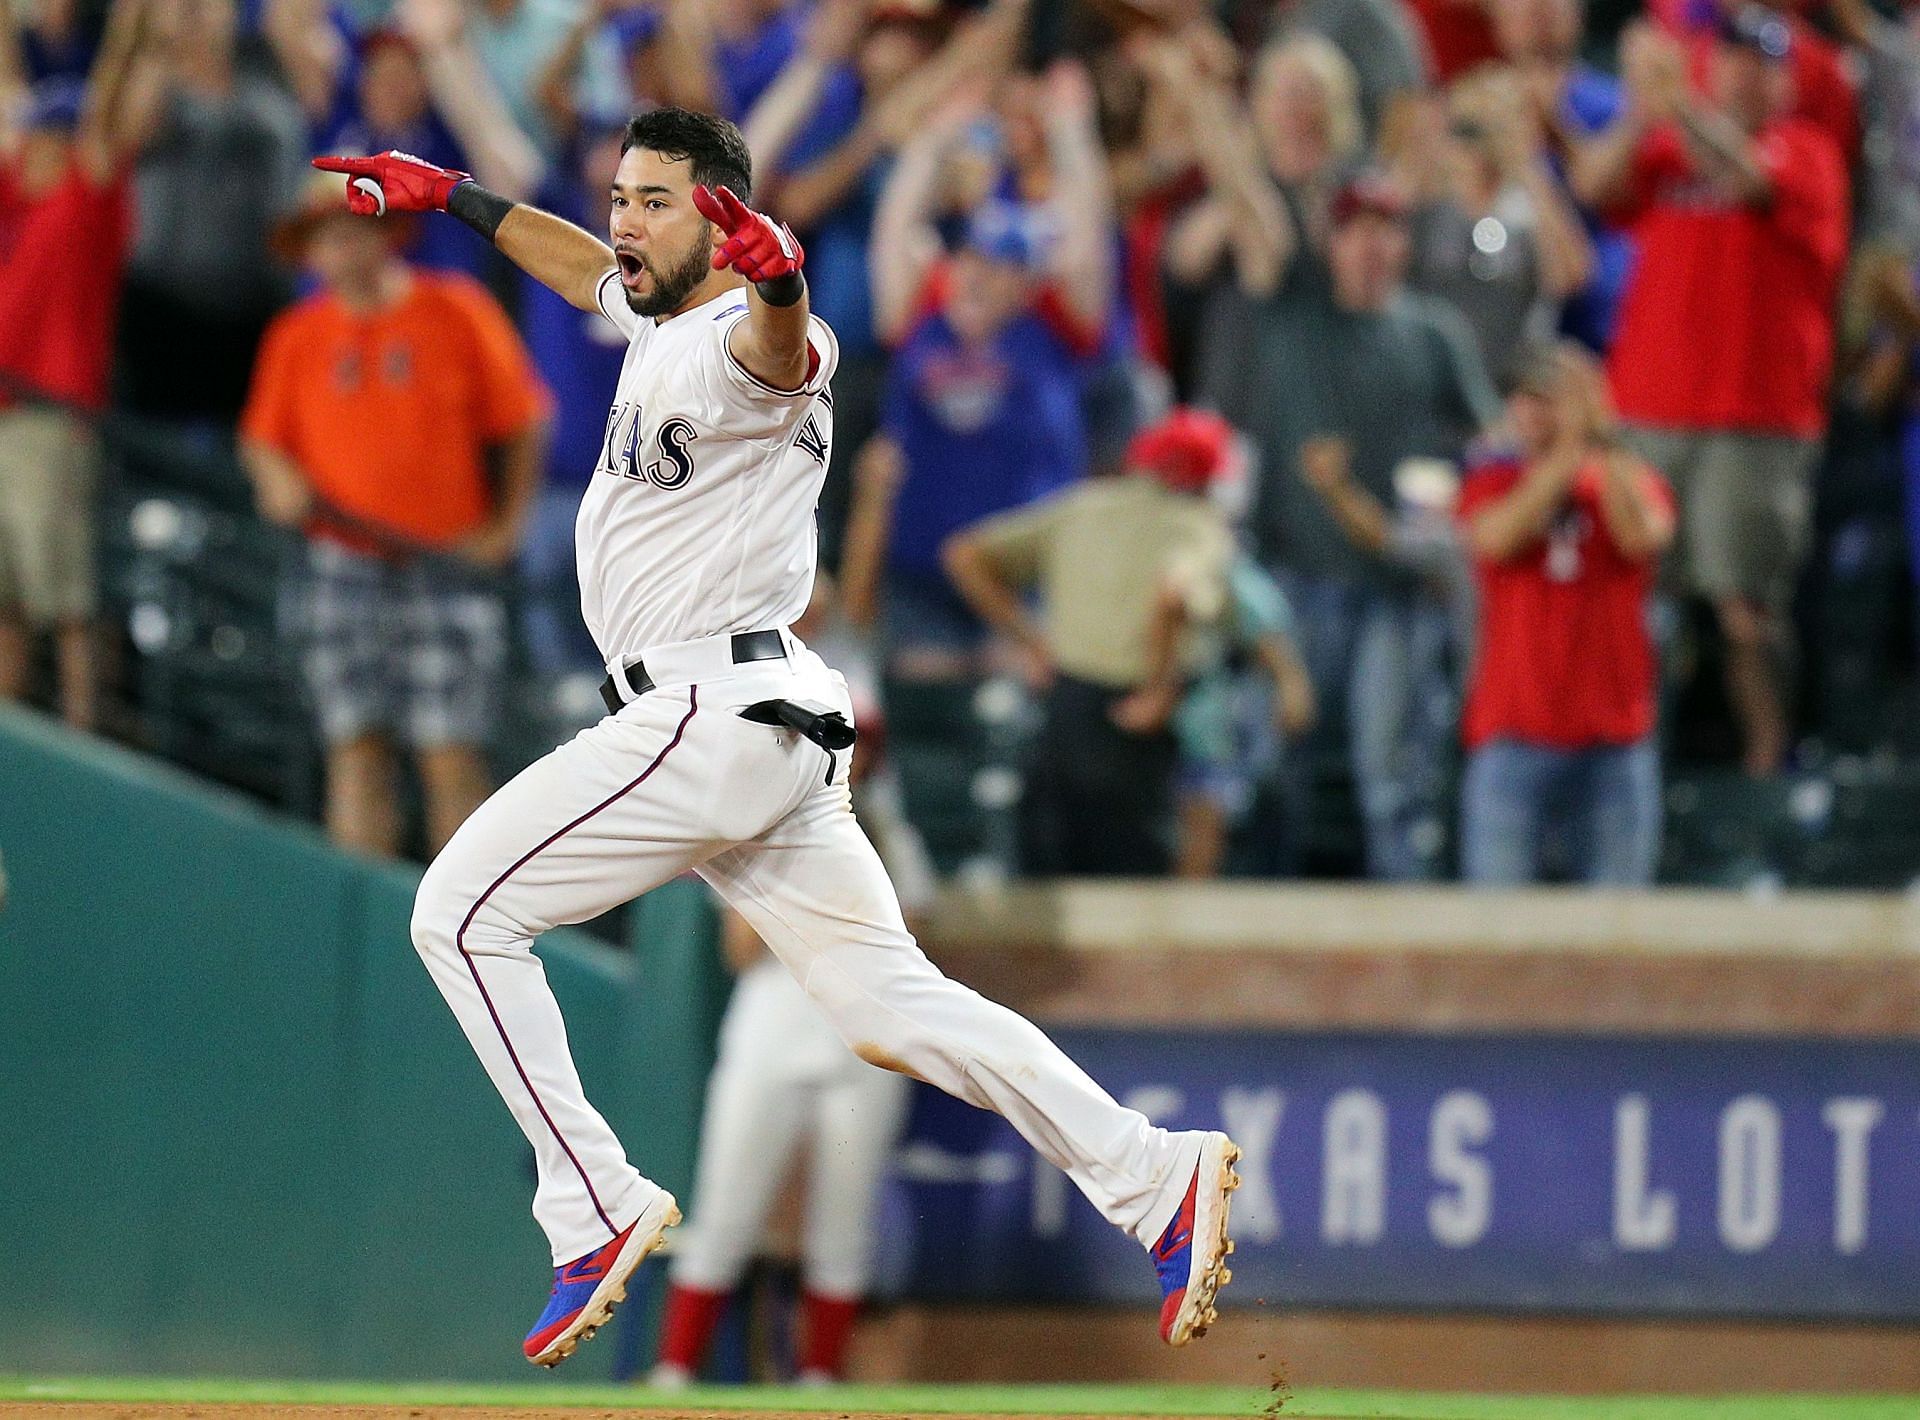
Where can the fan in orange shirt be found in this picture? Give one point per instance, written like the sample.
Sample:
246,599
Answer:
396,418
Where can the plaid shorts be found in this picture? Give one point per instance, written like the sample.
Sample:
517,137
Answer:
416,649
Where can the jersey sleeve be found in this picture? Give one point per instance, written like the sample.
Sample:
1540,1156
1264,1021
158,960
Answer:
1199,571
613,305
1651,483
1257,605
1809,182
743,386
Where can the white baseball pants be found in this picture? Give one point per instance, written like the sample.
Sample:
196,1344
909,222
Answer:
783,1077
678,780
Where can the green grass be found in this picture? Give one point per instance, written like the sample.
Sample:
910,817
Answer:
1115,1400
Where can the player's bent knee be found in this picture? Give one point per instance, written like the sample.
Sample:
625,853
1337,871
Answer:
436,915
876,1034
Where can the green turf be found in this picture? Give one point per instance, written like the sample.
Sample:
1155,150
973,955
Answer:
1117,1400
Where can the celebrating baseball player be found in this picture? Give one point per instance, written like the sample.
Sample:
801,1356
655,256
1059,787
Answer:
726,744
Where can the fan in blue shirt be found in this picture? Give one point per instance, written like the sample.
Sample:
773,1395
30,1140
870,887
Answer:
983,401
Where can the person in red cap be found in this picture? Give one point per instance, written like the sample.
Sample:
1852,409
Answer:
1125,568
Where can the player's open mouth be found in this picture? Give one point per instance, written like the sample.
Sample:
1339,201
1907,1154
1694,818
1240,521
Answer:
631,268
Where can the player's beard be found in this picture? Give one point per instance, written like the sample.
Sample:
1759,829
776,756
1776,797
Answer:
672,287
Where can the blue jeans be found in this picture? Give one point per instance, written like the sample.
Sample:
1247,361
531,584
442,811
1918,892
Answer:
1381,663
1600,807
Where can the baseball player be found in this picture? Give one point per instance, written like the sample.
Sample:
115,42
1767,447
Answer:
724,749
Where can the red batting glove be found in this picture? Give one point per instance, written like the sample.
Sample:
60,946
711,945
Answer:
404,183
757,247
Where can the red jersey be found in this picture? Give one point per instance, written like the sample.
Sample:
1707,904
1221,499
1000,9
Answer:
62,253
1727,320
1564,658
1823,93
1459,36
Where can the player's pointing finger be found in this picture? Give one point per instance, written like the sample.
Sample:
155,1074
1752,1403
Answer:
738,214
351,166
707,203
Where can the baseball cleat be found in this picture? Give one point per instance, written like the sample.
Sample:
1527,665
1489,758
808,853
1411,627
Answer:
586,1290
1190,1256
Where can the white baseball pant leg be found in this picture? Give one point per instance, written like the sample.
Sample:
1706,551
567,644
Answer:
857,1113
597,822
783,1075
759,1100
678,780
813,887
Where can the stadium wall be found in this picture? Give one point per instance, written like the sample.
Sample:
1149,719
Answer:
242,1133
1534,1140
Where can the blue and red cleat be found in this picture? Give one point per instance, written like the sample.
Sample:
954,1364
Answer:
586,1290
1191,1255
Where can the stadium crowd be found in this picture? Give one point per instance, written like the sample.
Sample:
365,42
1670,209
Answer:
1457,400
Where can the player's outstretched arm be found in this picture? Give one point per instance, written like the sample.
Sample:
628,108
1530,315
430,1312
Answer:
568,259
771,343
550,249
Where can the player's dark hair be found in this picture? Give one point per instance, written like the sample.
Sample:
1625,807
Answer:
713,145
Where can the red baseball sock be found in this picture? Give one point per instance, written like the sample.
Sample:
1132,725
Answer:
687,1328
827,1331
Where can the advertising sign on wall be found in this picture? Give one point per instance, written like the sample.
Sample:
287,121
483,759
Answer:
1776,1177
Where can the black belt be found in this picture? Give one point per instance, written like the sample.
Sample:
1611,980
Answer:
747,646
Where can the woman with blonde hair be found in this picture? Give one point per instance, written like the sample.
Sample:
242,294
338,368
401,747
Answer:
1493,233
1271,165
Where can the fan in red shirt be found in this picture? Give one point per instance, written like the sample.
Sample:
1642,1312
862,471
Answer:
1823,90
65,223
1565,532
1725,343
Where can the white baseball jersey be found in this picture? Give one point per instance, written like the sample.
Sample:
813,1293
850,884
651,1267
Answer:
699,518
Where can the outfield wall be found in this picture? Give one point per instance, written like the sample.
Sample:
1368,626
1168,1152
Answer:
1512,1141
242,1134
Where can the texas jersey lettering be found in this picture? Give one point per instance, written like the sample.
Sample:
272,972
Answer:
621,455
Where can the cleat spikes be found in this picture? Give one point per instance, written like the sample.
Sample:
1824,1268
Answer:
607,1287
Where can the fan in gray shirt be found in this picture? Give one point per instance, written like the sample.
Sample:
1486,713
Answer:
1394,374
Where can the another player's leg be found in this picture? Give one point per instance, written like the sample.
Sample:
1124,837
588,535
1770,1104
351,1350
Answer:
755,1114
594,824
857,1116
814,889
